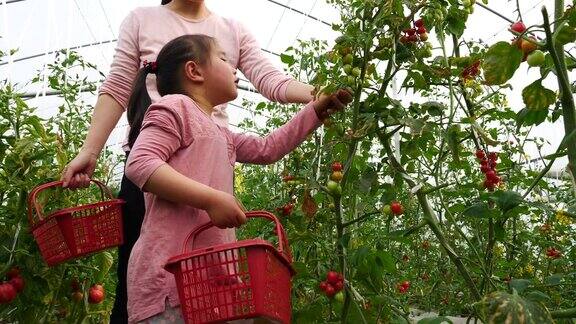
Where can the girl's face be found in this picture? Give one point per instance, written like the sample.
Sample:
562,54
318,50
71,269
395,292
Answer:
220,78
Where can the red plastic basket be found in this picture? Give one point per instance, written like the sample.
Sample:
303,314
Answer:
240,280
75,231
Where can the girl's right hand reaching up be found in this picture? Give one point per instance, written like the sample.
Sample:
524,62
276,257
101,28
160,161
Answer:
328,104
225,211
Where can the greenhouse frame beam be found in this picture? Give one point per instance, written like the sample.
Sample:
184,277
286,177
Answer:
300,12
494,12
10,1
32,95
82,46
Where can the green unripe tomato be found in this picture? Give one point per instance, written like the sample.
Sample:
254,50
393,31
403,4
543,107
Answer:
536,58
386,210
339,297
347,59
347,69
334,188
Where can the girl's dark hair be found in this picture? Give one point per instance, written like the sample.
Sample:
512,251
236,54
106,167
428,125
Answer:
165,2
168,70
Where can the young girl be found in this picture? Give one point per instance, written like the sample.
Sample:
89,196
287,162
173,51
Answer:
184,162
142,34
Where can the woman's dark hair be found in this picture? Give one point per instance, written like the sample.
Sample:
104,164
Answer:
165,2
168,70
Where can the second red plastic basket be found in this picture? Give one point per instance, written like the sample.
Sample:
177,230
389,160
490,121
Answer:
240,280
73,232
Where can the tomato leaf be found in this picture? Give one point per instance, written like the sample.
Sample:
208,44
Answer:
456,22
386,261
419,83
506,200
105,261
500,63
480,210
529,117
537,97
553,279
434,108
537,296
570,16
565,34
520,284
288,59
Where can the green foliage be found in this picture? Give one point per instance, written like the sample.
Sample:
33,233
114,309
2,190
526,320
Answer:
418,151
33,152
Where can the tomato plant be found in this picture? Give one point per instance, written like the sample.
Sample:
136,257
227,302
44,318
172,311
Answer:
34,151
477,221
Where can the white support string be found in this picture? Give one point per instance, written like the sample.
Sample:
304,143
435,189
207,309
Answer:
277,25
304,22
6,36
43,72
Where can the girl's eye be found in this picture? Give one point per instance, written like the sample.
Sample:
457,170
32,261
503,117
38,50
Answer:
223,59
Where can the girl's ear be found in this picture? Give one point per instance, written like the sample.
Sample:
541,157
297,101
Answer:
193,71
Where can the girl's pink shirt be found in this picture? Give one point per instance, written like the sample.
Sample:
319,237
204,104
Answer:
177,132
146,30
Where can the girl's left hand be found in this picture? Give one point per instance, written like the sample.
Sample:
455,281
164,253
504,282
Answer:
329,104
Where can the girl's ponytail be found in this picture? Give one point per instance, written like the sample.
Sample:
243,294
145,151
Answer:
138,104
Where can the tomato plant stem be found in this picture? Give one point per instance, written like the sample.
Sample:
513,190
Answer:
360,219
432,220
564,313
566,98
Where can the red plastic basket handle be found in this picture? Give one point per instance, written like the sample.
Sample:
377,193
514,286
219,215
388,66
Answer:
32,203
282,242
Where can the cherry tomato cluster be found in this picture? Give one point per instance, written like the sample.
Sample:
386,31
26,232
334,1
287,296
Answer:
291,180
416,33
96,293
333,184
403,286
527,47
552,253
9,289
286,209
333,284
337,174
395,208
534,56
471,71
488,167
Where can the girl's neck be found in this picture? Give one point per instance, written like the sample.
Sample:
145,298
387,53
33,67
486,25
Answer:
195,10
202,102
